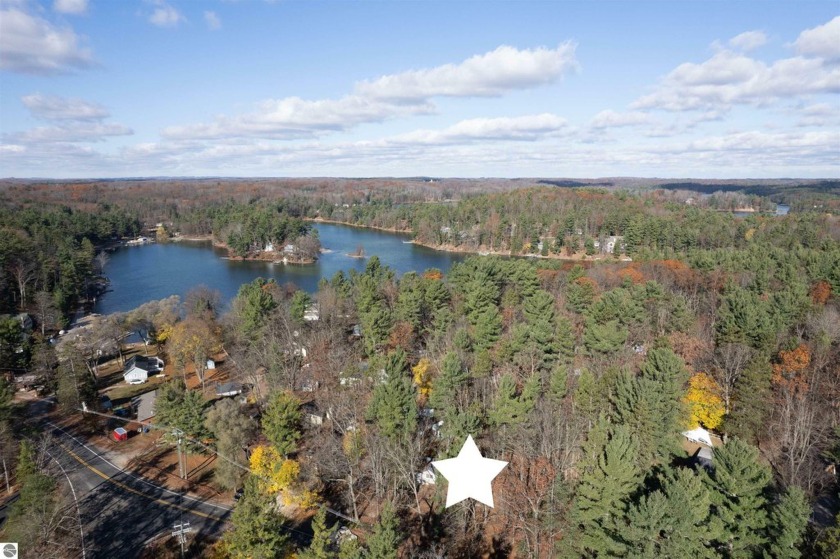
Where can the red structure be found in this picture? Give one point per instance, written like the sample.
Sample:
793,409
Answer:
120,434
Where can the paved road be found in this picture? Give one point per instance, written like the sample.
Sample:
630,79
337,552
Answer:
120,511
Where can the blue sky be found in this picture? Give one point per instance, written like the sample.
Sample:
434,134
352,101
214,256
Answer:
96,88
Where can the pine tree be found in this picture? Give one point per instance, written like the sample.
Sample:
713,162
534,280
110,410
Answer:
257,530
281,422
690,527
385,540
487,327
297,307
604,338
510,408
410,300
394,404
608,477
737,484
652,405
376,325
445,387
788,520
321,545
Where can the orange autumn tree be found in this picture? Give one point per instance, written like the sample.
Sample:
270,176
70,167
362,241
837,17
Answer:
704,401
820,292
789,368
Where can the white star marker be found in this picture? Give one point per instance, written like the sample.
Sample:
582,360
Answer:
470,475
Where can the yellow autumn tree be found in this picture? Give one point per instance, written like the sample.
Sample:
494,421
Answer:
279,475
704,401
423,377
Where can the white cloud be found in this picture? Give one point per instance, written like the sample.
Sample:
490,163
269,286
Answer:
730,78
612,119
165,15
70,6
32,45
71,132
295,118
819,114
212,20
822,41
50,107
747,41
489,74
396,95
522,128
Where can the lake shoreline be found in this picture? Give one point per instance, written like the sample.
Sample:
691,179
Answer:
481,251
262,256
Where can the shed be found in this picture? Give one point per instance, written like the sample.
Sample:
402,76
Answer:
120,434
211,364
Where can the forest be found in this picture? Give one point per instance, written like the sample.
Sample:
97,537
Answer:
582,375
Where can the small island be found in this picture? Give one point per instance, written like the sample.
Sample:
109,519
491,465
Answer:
358,253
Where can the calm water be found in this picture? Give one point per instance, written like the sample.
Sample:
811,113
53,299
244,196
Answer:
145,273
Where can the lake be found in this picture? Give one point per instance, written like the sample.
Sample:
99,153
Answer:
146,273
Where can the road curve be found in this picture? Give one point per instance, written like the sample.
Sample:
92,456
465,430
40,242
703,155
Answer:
121,511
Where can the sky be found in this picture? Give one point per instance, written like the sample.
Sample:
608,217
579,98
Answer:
130,88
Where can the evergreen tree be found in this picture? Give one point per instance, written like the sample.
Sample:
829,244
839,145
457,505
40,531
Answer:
297,307
652,405
750,402
257,529
385,540
181,409
321,545
410,300
394,403
608,477
254,303
445,387
510,408
376,325
487,326
738,485
281,422
604,338
787,523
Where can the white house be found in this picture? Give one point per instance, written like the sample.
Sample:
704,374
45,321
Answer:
269,247
311,313
613,243
699,435
138,368
427,476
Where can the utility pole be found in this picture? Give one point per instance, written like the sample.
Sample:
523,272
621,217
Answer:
180,531
181,461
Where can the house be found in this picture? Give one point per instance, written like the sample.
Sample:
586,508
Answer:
138,368
211,364
699,435
613,243
311,313
269,247
289,249
228,389
145,404
427,476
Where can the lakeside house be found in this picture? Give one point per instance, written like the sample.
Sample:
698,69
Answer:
138,368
